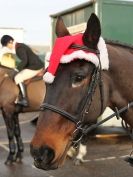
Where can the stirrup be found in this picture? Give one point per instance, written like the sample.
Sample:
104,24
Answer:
23,102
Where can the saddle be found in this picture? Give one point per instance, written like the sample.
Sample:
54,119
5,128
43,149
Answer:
11,73
39,76
22,97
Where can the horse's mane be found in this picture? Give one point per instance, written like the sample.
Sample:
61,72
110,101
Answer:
118,43
10,71
5,67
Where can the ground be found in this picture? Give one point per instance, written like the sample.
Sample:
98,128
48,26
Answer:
105,157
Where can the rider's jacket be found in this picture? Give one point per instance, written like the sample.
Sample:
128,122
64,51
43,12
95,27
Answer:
29,60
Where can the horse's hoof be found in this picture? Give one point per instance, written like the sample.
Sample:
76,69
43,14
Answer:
34,121
10,159
9,162
18,158
129,160
77,162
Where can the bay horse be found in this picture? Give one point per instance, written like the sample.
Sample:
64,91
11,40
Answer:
65,110
9,93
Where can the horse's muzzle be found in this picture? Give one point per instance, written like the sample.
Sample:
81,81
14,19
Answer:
43,157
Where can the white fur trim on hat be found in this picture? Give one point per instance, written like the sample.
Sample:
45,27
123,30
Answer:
80,54
48,77
103,54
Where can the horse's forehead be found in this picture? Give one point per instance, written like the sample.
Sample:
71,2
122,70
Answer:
76,65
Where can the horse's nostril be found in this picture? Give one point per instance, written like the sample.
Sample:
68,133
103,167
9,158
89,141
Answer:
43,154
48,154
39,159
35,151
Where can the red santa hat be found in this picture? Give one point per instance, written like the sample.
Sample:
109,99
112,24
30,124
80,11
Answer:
62,53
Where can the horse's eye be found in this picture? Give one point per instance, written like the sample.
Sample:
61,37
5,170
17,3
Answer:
78,78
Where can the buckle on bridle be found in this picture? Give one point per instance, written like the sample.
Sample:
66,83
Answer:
79,130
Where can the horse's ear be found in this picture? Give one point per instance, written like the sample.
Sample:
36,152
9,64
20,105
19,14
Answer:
60,28
92,32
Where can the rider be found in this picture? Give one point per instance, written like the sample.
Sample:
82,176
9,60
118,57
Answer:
29,66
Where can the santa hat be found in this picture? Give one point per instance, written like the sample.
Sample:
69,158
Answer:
62,53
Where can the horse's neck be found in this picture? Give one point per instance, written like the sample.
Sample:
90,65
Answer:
5,70
121,75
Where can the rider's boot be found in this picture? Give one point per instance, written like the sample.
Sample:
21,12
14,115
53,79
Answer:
23,100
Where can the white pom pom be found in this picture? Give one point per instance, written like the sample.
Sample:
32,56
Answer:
48,78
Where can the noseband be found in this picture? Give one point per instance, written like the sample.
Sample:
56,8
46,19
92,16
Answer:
79,120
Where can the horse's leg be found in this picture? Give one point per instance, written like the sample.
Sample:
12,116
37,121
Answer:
82,151
119,102
10,132
127,117
72,152
79,153
34,121
17,133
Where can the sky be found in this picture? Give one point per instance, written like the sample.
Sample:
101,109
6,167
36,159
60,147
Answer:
33,17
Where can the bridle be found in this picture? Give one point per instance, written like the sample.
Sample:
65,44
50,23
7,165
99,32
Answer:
82,129
79,120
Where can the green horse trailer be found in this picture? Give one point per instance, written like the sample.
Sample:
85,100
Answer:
116,18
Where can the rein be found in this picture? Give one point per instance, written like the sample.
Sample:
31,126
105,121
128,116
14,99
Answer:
117,114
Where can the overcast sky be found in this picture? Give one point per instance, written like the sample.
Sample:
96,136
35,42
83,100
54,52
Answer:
33,16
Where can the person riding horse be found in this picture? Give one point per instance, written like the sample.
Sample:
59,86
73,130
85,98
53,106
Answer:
29,66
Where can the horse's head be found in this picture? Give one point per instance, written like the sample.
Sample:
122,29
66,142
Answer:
67,100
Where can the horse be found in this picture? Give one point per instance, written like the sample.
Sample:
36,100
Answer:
9,93
79,95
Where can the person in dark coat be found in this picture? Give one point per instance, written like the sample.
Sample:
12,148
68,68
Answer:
29,66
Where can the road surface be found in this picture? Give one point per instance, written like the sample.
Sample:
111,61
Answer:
105,157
